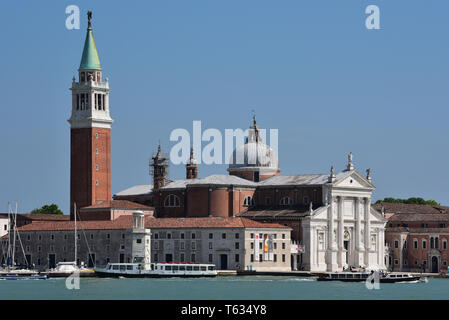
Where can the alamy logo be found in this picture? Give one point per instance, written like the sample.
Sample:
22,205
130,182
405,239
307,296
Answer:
373,281
250,146
73,20
73,281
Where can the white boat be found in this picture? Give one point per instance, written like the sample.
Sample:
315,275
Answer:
157,270
363,276
13,271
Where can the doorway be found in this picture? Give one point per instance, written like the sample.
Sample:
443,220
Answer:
52,260
168,257
122,258
434,264
223,261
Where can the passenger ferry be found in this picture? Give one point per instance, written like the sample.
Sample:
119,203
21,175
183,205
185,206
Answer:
157,270
363,276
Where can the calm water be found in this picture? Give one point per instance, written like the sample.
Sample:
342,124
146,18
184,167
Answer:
231,287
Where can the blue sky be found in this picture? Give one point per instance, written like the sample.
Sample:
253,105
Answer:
309,68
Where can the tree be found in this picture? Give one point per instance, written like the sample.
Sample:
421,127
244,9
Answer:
412,200
48,209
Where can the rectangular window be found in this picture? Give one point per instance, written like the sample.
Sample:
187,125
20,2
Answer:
237,258
251,235
138,240
223,235
193,235
283,236
193,258
396,244
210,258
283,258
108,236
168,235
260,257
182,257
155,257
210,245
193,245
415,244
444,244
424,244
283,245
252,245
237,236
252,258
156,236
237,245
396,261
275,257
183,245
182,235
211,235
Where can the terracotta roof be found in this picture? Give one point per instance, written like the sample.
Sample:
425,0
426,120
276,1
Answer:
417,230
123,222
118,204
47,217
409,208
419,217
276,213
209,222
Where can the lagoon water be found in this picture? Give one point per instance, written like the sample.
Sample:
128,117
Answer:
226,288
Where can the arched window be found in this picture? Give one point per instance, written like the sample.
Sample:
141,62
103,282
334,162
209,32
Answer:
286,201
172,200
248,202
431,243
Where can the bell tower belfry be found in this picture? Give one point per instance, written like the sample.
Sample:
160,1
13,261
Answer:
90,130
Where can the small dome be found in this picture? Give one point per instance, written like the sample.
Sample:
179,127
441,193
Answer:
254,155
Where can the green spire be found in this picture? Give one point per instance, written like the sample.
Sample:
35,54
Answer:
90,60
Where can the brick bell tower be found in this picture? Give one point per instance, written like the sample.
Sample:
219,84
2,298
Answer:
90,131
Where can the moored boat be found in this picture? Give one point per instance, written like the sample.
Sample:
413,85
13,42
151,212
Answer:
364,276
158,270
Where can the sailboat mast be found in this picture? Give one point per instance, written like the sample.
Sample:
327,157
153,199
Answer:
14,241
74,205
9,232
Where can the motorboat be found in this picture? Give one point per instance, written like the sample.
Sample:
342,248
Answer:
157,270
365,276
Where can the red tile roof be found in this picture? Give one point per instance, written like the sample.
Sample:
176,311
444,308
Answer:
409,208
123,222
209,222
118,204
46,217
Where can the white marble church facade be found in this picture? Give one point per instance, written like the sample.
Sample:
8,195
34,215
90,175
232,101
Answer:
346,231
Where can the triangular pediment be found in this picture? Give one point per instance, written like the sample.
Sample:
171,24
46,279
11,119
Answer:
352,179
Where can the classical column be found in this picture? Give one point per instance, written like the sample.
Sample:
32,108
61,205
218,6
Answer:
367,230
340,237
358,232
331,250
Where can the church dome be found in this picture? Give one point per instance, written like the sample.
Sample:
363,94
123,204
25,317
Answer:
254,156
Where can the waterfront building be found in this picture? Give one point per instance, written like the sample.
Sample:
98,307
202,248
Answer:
416,236
45,243
229,243
330,214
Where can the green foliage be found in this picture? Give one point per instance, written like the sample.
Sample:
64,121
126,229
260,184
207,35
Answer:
48,209
412,200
